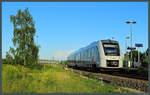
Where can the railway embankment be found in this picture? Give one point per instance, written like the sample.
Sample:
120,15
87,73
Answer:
137,84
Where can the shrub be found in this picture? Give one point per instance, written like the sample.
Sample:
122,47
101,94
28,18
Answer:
143,71
124,63
4,61
92,76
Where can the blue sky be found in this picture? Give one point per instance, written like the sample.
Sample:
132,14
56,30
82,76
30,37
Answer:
63,27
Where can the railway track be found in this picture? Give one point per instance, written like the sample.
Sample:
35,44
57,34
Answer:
122,73
133,76
118,79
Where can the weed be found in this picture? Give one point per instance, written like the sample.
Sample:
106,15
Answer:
50,79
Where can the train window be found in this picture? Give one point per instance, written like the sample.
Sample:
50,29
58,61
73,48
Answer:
80,55
111,49
92,52
83,54
89,52
97,53
86,54
74,57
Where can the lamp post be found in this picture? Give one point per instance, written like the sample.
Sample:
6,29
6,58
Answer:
126,43
126,48
131,22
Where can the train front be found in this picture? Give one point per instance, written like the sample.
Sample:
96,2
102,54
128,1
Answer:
110,54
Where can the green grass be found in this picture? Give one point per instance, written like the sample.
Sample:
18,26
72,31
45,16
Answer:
49,79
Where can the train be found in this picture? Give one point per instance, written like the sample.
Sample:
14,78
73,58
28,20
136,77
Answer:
100,55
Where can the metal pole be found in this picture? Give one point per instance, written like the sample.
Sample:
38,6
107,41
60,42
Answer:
125,49
131,34
138,56
131,42
125,45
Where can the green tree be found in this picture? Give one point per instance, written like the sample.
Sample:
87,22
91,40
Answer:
25,51
144,58
134,55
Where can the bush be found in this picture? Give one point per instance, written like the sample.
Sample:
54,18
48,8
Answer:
143,71
4,61
124,63
144,64
7,61
65,62
92,76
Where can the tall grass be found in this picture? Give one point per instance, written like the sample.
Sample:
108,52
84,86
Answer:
49,79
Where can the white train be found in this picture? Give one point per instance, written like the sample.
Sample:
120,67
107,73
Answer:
100,54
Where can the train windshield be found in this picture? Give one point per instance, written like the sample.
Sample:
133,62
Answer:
111,49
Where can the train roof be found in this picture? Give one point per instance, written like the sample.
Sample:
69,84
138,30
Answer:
109,41
92,45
